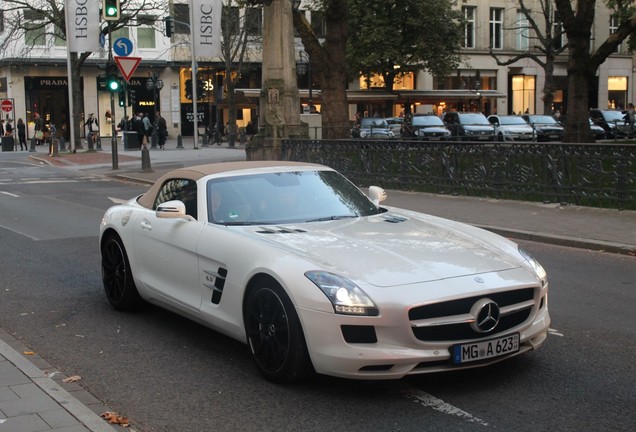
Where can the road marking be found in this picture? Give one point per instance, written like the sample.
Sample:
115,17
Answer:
430,401
554,332
10,194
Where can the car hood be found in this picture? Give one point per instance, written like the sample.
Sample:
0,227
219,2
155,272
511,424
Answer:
516,129
431,129
392,248
478,128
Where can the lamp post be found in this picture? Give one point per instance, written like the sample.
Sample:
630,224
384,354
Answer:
155,84
303,67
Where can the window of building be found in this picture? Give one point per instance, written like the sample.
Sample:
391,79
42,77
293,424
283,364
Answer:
1,21
404,81
146,35
254,21
617,92
467,79
557,30
523,93
230,20
523,31
319,23
58,37
613,26
122,32
496,28
35,28
181,16
469,30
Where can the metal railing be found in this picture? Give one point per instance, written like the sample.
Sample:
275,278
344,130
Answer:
595,175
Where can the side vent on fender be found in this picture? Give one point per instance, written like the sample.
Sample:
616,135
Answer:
216,282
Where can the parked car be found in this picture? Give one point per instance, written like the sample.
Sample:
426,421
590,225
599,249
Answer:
511,128
612,121
597,131
546,127
296,262
372,128
469,126
425,127
395,124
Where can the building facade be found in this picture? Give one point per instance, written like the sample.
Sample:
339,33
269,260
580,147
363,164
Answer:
34,70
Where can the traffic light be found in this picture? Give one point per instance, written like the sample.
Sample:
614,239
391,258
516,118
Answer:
188,89
112,83
132,97
122,98
169,22
110,10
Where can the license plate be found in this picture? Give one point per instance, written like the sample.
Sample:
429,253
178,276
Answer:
464,353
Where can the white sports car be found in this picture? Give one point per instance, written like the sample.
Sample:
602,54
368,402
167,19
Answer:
297,262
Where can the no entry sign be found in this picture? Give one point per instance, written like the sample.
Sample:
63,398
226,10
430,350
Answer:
6,105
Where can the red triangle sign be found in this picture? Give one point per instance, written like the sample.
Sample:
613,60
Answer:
127,66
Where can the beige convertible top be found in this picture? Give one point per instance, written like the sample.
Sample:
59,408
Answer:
198,171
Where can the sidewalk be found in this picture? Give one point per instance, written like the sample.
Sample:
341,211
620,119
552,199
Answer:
32,399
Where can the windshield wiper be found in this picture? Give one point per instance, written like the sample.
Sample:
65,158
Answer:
330,218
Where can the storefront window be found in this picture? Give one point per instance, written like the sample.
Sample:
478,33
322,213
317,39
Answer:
617,92
403,81
523,93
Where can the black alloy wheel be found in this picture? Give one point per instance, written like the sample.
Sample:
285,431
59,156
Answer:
118,282
275,336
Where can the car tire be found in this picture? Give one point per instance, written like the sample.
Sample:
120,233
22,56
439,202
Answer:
117,278
274,334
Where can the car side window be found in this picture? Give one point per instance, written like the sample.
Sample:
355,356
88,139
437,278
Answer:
179,189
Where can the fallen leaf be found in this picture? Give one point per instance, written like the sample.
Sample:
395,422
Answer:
28,353
72,379
114,418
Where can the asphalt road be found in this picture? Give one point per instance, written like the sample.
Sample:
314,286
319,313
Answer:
168,374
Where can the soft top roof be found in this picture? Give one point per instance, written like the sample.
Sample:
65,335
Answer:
199,171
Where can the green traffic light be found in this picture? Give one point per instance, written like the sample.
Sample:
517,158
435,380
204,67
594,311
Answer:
113,84
111,11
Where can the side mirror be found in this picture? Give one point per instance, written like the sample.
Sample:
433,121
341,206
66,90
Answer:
172,210
376,195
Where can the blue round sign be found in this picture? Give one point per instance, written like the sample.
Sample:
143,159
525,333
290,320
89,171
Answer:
123,47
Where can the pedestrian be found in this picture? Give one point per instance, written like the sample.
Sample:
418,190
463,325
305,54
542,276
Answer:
38,127
1,127
630,118
138,126
8,128
91,128
22,134
162,130
147,128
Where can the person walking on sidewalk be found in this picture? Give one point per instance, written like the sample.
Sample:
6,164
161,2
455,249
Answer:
147,128
162,130
138,126
38,127
22,134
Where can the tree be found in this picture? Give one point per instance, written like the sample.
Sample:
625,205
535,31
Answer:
394,37
545,35
238,32
583,61
329,63
51,22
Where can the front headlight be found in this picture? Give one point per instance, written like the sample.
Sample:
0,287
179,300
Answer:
345,296
538,268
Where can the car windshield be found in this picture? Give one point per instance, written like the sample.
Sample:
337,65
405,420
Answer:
543,119
374,122
473,119
427,121
612,116
285,197
512,120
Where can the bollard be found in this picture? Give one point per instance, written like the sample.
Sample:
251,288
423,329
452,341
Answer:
32,148
145,159
179,142
99,143
62,144
53,150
